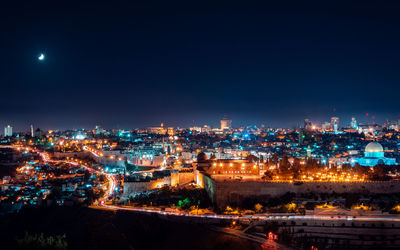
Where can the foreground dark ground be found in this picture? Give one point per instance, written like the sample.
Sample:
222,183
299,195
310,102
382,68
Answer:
87,228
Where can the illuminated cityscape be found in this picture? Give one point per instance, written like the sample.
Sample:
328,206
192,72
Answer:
239,175
251,125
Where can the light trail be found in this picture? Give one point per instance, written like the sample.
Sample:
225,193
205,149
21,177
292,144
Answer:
90,150
112,186
258,217
111,178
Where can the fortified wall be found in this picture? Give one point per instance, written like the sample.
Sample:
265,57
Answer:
82,154
181,178
110,162
223,193
133,187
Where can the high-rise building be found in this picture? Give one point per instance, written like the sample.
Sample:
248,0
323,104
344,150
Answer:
353,123
335,124
309,151
8,131
226,124
38,133
307,124
31,131
326,126
98,130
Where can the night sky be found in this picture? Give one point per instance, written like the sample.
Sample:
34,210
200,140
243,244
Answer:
130,65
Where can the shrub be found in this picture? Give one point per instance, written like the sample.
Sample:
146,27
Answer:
39,241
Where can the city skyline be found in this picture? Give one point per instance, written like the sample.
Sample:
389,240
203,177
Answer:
365,119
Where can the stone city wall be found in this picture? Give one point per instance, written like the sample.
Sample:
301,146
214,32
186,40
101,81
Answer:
181,178
141,186
223,193
110,162
101,160
59,155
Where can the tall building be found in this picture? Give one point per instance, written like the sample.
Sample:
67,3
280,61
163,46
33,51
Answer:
335,124
353,123
38,133
98,130
309,151
326,126
31,131
226,124
8,131
307,124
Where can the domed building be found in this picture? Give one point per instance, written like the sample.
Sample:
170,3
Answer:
374,150
374,155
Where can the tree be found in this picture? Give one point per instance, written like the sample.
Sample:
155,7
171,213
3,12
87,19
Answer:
290,208
258,208
55,193
102,178
284,165
312,165
87,175
268,175
252,158
380,172
350,199
201,157
39,241
184,203
361,170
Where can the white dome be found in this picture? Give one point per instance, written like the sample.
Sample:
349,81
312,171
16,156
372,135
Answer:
374,147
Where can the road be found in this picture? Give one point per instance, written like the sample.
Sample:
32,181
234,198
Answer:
112,186
111,178
46,158
257,217
211,217
98,154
